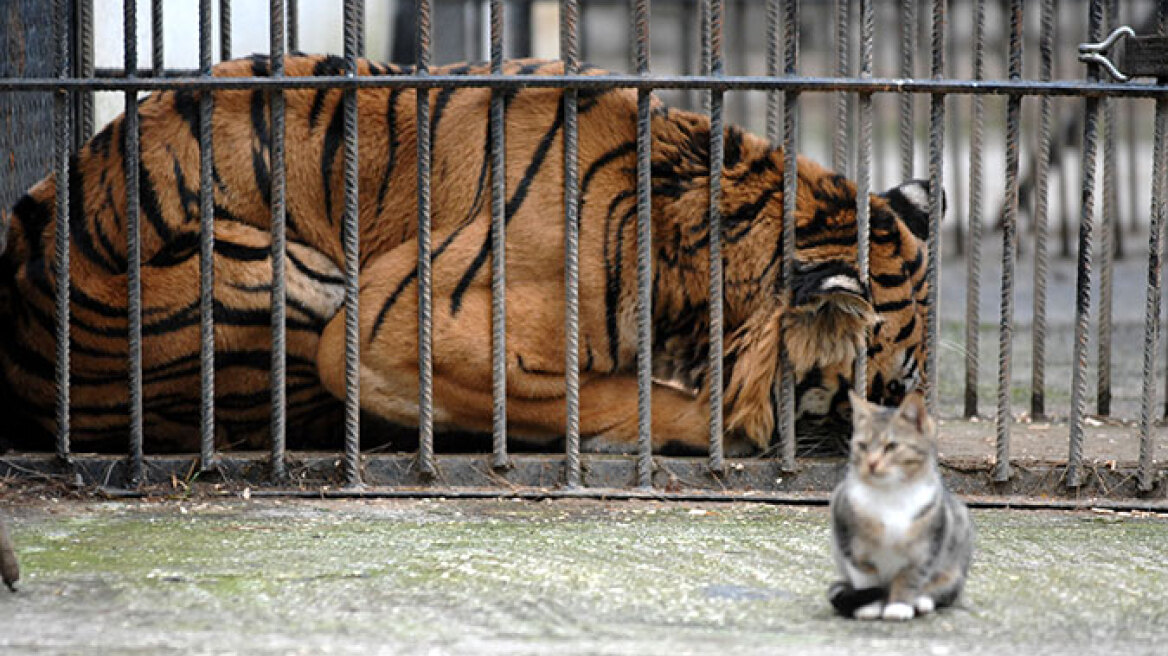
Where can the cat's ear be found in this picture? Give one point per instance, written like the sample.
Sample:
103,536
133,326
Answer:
860,410
914,411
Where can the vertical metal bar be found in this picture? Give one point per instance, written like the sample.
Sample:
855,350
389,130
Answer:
569,51
157,60
685,28
425,296
704,64
1133,180
839,138
206,251
742,110
864,176
790,185
717,138
1041,209
498,248
1086,243
293,28
351,237
61,271
908,46
644,249
772,69
1009,249
936,201
359,20
954,135
1146,476
133,245
973,256
278,246
224,29
85,68
1109,236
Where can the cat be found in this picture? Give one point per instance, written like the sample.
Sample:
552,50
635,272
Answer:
9,570
902,543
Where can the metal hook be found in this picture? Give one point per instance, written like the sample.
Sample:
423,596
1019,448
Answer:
1096,53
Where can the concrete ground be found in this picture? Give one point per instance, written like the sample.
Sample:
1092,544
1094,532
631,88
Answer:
212,576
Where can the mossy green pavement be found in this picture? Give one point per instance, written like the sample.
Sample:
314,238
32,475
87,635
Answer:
562,577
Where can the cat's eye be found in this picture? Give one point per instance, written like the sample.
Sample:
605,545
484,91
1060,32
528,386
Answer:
890,447
861,446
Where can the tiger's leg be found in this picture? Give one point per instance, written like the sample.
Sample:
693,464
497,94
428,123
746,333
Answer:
462,371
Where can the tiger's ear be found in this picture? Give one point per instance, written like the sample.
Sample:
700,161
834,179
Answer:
910,201
830,311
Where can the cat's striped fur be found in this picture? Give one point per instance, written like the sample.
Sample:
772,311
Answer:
902,543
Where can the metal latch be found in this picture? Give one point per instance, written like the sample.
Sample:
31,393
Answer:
1125,55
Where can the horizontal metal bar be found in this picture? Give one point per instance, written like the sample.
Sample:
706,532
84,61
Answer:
540,476
599,82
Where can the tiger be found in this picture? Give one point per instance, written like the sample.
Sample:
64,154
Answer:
820,325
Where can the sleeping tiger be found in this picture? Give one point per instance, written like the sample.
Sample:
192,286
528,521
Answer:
830,309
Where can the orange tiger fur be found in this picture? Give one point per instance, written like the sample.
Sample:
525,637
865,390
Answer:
822,328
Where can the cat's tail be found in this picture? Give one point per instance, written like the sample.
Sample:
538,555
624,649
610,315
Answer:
846,599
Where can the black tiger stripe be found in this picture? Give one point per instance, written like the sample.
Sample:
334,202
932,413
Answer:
334,136
313,274
259,163
476,207
79,226
512,206
391,156
907,330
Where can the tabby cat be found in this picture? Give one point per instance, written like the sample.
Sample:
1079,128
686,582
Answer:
902,543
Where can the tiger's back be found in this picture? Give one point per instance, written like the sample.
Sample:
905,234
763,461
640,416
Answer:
168,179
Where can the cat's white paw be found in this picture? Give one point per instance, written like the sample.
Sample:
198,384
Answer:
924,605
870,612
898,612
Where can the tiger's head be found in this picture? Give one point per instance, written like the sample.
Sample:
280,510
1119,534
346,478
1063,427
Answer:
832,308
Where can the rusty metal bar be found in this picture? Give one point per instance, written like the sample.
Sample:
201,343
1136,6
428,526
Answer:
908,46
498,248
936,202
105,80
644,254
156,23
717,143
787,436
839,137
773,66
1086,244
1147,473
350,232
61,268
425,293
206,251
976,192
569,51
864,177
224,29
277,182
1109,236
293,28
1041,211
135,472
1009,252
83,129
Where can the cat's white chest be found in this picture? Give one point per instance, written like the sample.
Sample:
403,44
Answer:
894,509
